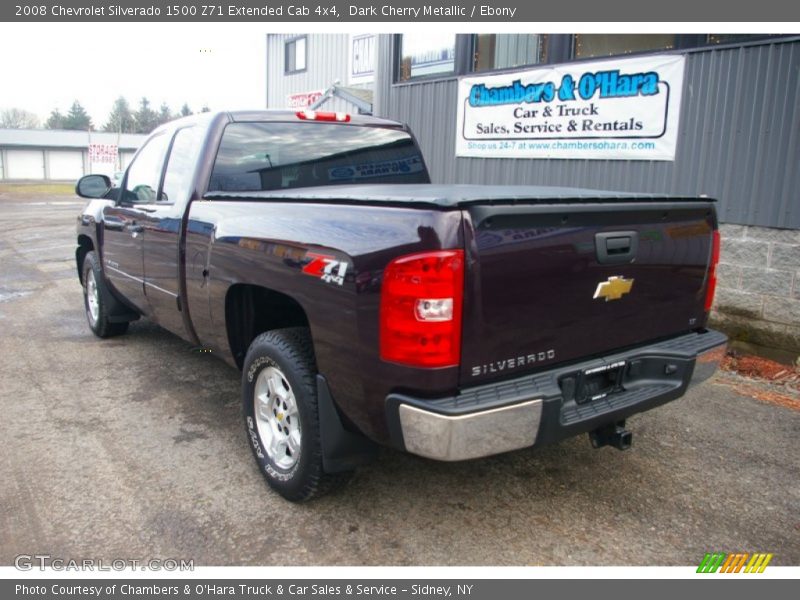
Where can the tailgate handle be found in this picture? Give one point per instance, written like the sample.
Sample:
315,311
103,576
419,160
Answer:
616,247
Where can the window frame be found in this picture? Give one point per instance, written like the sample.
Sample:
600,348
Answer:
123,189
459,58
560,50
474,50
167,158
292,42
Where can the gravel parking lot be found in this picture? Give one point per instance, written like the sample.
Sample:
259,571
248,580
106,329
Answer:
133,448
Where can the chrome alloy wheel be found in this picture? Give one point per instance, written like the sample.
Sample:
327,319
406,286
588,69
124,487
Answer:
92,297
277,419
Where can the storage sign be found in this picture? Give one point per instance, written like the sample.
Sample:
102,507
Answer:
624,109
103,153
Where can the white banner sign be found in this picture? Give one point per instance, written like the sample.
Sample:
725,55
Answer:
624,109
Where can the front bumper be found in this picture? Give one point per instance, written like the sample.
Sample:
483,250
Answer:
544,407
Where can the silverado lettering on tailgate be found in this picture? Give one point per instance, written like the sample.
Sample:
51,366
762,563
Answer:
515,362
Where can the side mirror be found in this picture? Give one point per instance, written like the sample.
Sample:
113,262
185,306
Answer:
93,186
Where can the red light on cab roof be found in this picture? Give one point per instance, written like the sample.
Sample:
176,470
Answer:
316,115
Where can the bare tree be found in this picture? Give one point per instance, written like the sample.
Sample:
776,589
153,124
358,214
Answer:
17,118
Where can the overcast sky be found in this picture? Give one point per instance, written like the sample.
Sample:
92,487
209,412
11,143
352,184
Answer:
47,66
222,65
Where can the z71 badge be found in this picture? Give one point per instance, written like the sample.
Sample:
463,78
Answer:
326,267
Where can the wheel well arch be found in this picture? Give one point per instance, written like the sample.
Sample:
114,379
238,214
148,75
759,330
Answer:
85,245
250,310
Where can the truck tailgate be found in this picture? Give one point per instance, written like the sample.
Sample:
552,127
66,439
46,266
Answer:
553,283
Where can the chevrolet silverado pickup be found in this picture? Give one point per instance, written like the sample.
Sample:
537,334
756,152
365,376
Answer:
366,306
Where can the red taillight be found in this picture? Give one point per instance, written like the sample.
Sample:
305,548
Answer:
711,286
420,317
315,115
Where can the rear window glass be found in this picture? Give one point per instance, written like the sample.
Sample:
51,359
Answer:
275,156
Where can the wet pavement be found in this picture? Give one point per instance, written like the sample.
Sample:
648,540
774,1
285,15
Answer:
133,448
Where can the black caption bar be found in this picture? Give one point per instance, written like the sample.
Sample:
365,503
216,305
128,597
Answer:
369,589
325,11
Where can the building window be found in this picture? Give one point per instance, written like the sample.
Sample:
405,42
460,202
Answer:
424,55
591,45
295,55
734,38
505,51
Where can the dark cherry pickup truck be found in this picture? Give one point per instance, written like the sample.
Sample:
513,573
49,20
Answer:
365,305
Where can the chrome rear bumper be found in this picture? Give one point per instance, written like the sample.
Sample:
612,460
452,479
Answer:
536,409
707,363
473,435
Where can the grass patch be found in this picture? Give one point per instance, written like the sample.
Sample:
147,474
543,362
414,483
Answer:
39,188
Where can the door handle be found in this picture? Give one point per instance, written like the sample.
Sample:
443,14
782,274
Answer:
616,247
134,228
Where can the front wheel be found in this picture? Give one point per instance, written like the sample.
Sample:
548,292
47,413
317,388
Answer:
279,398
96,300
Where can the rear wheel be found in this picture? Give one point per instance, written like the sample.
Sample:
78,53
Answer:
96,300
279,398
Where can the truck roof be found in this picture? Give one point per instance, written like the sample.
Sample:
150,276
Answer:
266,116
446,195
291,115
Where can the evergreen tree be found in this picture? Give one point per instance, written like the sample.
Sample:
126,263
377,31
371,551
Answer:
78,118
164,114
146,117
120,119
205,109
185,110
55,120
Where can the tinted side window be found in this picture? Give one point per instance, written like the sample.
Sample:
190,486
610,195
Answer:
275,156
144,174
180,165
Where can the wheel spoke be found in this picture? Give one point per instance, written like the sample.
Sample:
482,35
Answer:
293,443
280,448
262,406
271,385
277,384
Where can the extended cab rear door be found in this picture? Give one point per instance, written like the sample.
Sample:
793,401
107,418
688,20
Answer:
123,223
162,231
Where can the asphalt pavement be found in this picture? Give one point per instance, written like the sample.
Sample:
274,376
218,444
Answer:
133,448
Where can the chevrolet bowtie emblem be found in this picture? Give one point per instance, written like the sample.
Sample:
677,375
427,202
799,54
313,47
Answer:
614,288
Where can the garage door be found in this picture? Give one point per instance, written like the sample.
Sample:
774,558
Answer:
126,158
25,164
66,164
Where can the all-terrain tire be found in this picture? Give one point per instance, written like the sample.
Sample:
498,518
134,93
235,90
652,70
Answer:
281,415
97,299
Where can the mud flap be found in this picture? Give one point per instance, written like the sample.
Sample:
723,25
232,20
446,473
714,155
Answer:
342,450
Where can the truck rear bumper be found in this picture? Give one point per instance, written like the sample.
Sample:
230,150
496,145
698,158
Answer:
552,405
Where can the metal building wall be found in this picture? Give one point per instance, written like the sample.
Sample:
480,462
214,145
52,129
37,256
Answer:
739,137
326,61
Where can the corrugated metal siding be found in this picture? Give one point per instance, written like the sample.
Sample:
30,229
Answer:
326,61
739,137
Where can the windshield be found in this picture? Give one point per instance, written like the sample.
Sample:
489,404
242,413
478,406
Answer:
275,156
